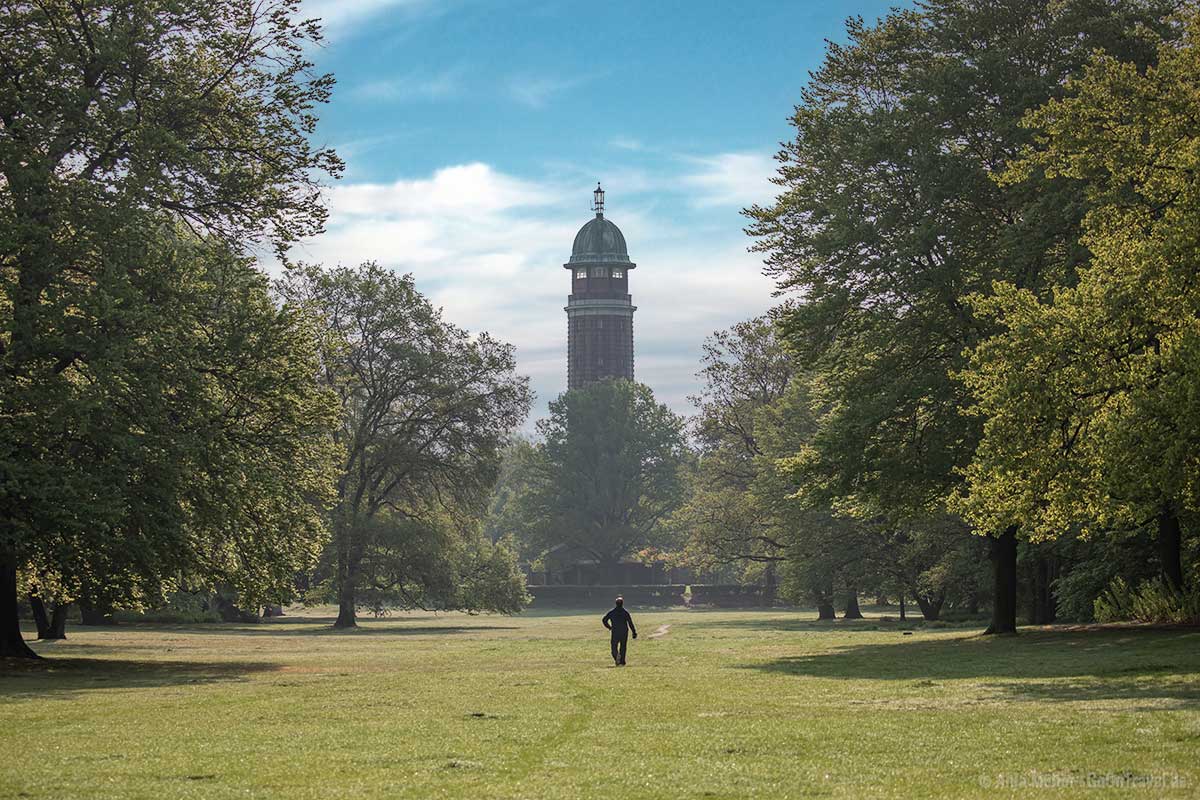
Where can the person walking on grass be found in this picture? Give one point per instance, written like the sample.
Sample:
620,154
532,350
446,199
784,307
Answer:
620,624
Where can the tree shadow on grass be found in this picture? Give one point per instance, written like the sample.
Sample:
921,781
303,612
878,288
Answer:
809,622
61,678
1107,657
311,626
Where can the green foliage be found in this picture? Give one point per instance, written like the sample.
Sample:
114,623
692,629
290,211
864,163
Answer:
180,608
1090,395
426,409
1154,601
160,420
608,472
188,445
888,219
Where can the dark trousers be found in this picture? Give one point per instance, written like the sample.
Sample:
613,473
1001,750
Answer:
619,642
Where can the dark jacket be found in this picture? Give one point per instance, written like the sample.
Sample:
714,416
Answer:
619,622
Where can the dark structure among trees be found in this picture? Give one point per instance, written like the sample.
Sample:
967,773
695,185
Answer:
599,308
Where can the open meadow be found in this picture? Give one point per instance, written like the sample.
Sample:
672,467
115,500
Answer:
712,705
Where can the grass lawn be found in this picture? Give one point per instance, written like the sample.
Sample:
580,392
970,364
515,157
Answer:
722,704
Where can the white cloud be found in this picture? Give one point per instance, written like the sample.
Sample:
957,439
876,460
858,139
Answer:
338,16
535,91
489,247
626,143
733,179
407,88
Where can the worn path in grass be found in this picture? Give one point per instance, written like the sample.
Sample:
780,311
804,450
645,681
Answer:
729,704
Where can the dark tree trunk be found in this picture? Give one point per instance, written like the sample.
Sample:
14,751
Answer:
902,618
40,618
1004,582
12,643
91,615
58,622
852,611
931,606
880,600
346,606
1169,542
824,597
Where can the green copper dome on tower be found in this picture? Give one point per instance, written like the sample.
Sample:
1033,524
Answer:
599,241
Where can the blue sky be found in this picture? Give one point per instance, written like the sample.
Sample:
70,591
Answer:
474,132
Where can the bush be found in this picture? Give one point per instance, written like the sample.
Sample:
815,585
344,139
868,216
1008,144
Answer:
183,607
1153,601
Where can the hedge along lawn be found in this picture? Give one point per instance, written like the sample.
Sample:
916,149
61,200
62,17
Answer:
723,704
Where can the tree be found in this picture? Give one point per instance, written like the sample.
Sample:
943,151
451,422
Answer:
744,370
889,219
192,450
119,122
426,409
1090,396
608,474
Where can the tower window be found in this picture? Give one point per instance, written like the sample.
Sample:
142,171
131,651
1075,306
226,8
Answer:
618,273
580,274
599,272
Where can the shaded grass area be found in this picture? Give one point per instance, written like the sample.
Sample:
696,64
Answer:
724,705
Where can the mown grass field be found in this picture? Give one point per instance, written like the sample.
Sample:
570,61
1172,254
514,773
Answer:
721,705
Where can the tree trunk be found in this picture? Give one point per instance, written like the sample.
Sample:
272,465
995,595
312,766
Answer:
1169,542
852,611
40,618
973,603
346,606
902,618
931,607
823,595
1004,582
880,600
91,615
12,643
58,622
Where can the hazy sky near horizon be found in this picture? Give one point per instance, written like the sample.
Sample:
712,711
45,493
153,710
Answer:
475,130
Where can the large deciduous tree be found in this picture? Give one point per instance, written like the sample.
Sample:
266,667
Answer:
119,122
889,218
1091,397
426,409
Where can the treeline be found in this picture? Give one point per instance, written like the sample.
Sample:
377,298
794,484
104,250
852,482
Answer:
171,420
987,234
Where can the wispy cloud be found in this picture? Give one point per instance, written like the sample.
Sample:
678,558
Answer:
536,91
341,16
411,87
732,179
626,143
